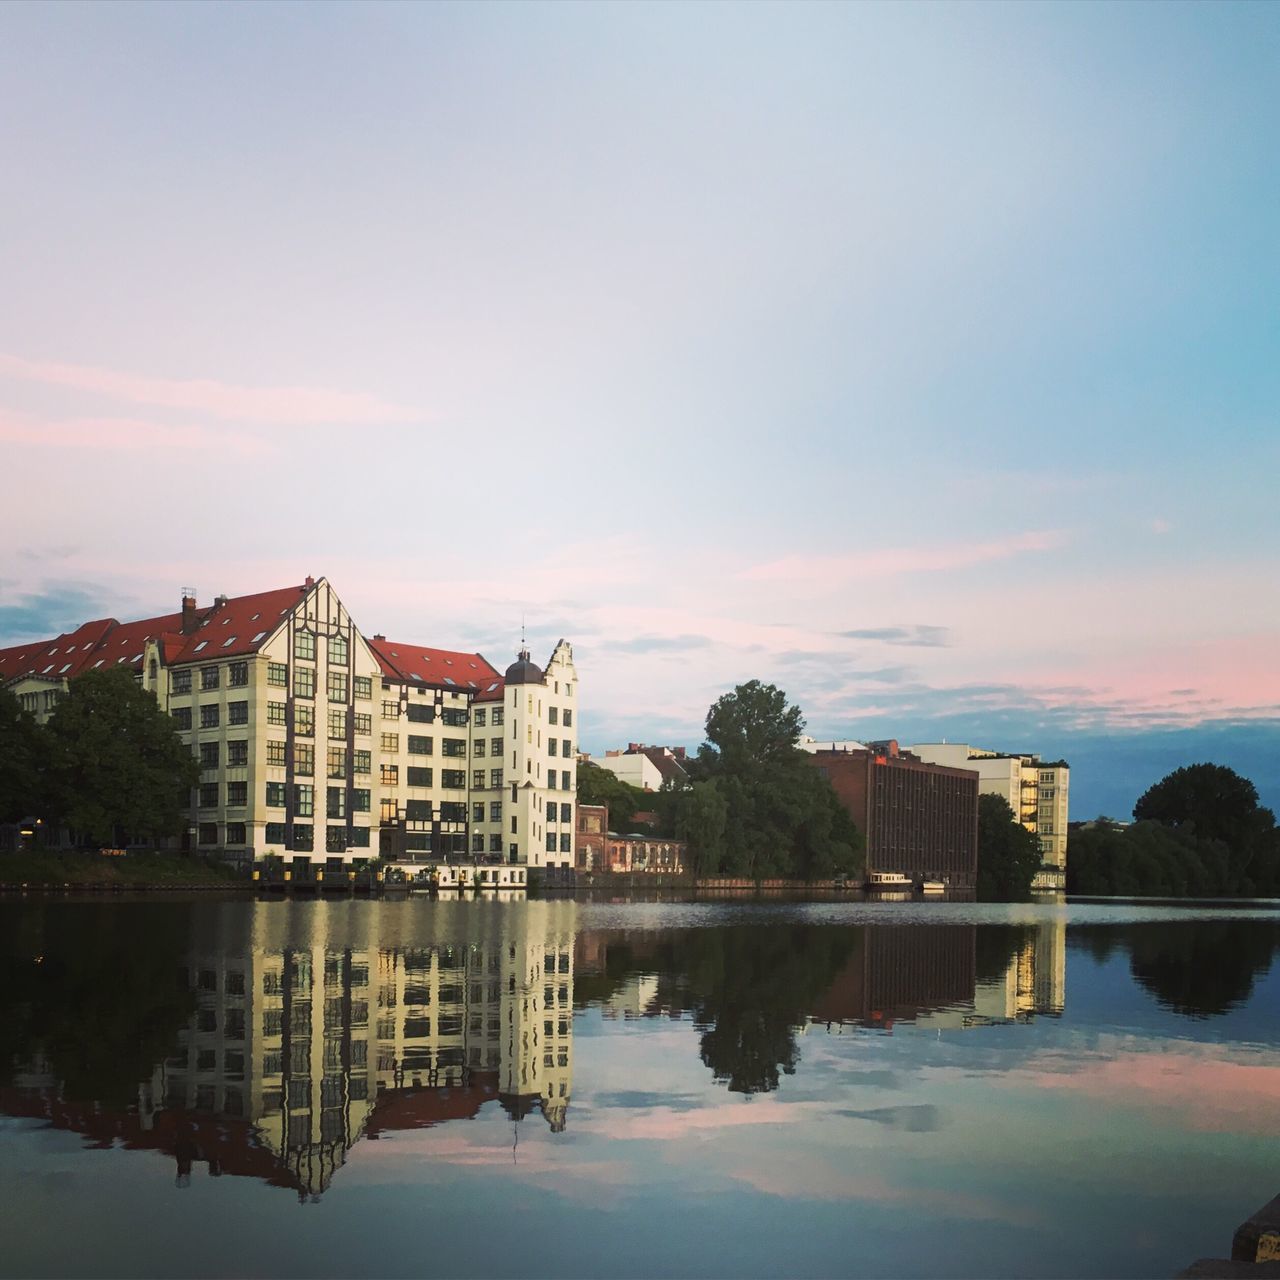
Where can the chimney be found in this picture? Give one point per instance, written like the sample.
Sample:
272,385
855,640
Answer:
219,601
188,610
382,638
309,583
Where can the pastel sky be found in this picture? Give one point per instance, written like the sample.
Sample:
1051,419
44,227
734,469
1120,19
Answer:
920,359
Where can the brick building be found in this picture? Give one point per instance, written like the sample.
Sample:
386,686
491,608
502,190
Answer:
919,820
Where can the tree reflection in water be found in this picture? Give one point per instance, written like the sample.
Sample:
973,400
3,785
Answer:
1202,969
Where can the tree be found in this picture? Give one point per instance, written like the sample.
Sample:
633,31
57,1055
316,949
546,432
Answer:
1008,854
599,786
22,750
701,819
117,768
753,726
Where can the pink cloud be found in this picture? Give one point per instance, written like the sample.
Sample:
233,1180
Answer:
1202,1090
887,561
285,406
123,435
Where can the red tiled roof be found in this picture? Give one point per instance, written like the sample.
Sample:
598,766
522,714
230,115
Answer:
425,1108
441,667
241,625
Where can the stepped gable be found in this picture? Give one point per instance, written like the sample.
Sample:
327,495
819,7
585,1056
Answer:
443,668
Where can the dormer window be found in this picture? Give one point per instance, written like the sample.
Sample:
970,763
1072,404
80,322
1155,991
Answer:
203,644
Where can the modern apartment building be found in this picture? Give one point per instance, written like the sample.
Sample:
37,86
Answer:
320,745
1037,791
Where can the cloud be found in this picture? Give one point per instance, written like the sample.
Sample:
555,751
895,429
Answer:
922,636
888,561
45,614
284,406
1160,525
918,1119
128,435
660,644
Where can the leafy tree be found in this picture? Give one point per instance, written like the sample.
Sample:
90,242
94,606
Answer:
753,727
22,749
1008,854
598,786
117,768
1202,969
701,819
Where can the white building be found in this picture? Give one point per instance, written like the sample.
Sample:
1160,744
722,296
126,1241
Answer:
324,747
633,768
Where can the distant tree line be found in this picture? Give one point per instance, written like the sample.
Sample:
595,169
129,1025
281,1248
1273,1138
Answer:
1199,832
107,768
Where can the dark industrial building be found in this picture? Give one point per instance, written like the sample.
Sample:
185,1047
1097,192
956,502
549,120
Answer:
918,819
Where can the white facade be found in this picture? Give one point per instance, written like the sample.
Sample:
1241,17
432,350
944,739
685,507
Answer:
633,768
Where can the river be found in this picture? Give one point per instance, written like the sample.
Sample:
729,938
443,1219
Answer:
199,1087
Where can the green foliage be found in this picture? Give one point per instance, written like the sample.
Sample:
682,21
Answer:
21,741
1200,833
139,867
116,767
781,817
1008,854
599,786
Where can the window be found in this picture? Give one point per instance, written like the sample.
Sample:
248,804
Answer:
566,839
552,715
303,837
390,742
567,719
477,779
478,717
477,813
238,753
208,677
419,777
417,810
237,713
338,651
359,840
495,810
453,746
208,795
304,682
336,804
419,746
337,762
551,746
304,645
278,675
551,779
362,687
477,845
551,842
304,719
275,831
338,723
454,778
362,722
336,684
304,759
455,717
391,711
566,813
453,811
495,843
238,675
181,682
495,747
478,746
420,713
208,755
360,800
208,833
495,777
275,795
566,748
276,713
387,809
362,762
275,753
237,795
389,775
513,826
564,781
498,714
304,799
209,716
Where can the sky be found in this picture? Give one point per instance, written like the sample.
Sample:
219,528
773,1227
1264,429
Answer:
921,360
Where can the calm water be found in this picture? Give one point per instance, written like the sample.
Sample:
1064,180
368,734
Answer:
645,1089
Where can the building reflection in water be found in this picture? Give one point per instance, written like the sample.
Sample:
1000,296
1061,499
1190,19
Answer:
298,1046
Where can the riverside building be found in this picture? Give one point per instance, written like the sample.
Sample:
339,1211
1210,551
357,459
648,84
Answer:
322,746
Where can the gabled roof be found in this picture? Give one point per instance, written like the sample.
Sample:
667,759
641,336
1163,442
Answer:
241,625
443,668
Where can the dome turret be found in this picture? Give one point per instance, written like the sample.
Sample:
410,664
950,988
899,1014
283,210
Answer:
524,670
